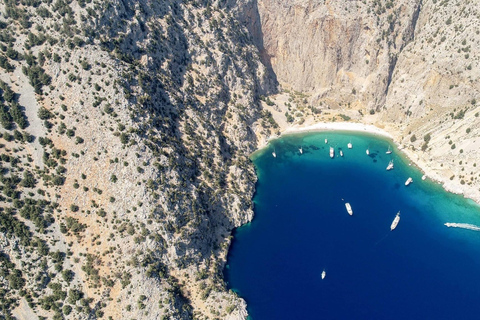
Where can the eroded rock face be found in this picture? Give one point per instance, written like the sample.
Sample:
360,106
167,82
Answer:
331,49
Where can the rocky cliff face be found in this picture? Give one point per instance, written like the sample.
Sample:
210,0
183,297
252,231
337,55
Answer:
330,49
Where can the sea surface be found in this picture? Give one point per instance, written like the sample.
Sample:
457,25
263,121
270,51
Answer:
420,270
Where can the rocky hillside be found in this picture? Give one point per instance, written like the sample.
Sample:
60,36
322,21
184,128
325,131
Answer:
126,130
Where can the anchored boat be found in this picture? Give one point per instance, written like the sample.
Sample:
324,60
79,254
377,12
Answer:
390,165
395,221
349,208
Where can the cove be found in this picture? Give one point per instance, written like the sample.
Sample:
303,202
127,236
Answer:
420,270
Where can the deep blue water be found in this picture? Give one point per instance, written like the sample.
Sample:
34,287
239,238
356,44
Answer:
421,270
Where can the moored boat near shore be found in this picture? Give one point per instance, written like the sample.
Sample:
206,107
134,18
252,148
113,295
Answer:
390,165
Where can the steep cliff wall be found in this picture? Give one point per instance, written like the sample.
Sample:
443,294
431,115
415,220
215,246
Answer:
330,49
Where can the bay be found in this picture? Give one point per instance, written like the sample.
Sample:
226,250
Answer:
420,270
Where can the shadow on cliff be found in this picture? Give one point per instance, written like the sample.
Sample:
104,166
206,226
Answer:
250,17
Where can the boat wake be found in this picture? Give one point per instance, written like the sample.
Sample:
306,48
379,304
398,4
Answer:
463,226
385,237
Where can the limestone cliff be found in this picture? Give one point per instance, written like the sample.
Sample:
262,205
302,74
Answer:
330,49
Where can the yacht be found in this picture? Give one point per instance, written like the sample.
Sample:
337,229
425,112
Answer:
349,208
367,152
341,153
395,221
324,274
409,180
424,177
390,165
332,152
388,151
350,145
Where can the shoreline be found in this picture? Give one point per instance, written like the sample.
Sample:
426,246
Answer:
340,126
330,126
413,156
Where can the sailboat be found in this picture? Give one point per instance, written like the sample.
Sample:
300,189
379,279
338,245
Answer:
326,141
301,150
274,154
388,151
332,152
390,165
324,274
367,152
349,145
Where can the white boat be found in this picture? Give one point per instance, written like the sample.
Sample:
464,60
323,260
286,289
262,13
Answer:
367,152
274,154
388,151
349,208
326,141
409,180
424,177
395,221
332,152
301,150
341,153
463,226
324,274
390,165
349,145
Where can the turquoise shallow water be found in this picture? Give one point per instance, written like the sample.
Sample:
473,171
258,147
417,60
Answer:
421,270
